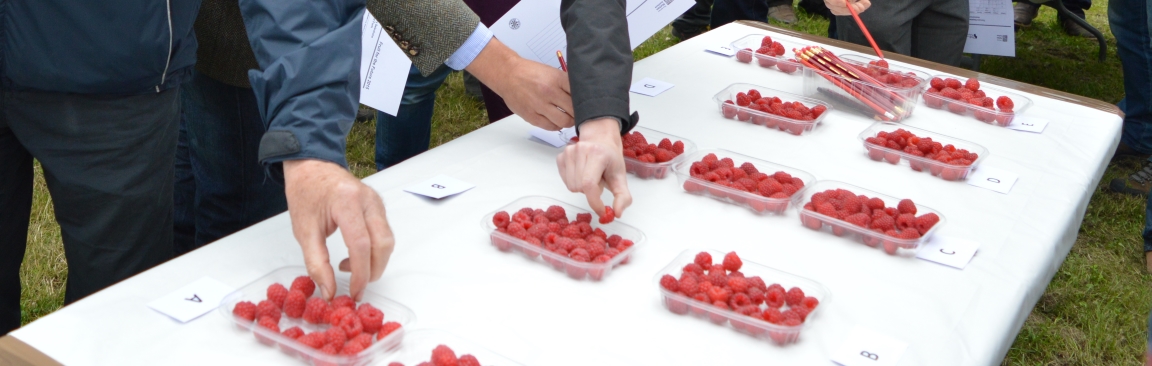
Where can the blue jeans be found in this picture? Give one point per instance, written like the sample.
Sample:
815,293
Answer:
221,186
1129,20
410,131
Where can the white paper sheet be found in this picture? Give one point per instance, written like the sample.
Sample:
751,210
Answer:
440,186
383,68
192,300
532,28
650,87
990,28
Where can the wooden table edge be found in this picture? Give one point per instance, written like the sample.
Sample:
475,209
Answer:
17,353
984,78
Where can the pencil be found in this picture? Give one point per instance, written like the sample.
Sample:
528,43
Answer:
563,65
863,29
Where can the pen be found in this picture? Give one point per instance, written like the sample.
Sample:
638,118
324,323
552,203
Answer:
563,65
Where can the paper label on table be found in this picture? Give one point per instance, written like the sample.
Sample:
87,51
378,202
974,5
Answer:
864,347
1028,124
440,186
554,138
532,28
192,300
650,87
952,252
990,28
725,50
383,68
993,178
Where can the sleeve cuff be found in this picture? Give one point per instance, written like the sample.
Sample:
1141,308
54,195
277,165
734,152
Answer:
470,49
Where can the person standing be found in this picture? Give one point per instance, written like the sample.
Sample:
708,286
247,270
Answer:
934,30
1024,12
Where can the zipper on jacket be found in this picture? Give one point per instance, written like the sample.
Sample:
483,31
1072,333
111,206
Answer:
168,55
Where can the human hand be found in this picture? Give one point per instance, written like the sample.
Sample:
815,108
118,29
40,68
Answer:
323,196
534,91
596,162
839,7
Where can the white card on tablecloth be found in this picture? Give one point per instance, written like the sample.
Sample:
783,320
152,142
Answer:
723,50
993,178
192,300
650,87
864,347
554,138
439,187
952,252
1028,124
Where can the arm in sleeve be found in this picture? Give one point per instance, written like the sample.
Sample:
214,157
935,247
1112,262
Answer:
429,31
599,58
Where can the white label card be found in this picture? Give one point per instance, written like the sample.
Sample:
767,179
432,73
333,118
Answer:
192,300
1028,124
952,252
440,186
864,347
554,138
993,178
723,50
650,87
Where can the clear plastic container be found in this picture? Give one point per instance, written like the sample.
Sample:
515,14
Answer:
879,101
746,114
919,163
417,348
759,328
991,116
893,246
257,291
755,202
746,52
574,269
656,170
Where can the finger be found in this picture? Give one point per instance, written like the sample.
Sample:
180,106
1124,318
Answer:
315,250
557,117
562,168
349,216
592,177
539,120
381,234
565,85
571,172
617,183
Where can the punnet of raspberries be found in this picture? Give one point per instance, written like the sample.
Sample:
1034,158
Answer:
879,70
744,185
770,111
444,356
768,54
636,147
876,223
340,327
945,161
724,294
572,246
961,98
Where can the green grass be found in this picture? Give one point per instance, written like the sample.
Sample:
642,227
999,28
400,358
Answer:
1093,313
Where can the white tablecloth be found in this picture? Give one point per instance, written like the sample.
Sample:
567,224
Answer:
446,271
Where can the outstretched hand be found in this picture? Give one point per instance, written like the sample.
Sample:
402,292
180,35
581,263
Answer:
597,162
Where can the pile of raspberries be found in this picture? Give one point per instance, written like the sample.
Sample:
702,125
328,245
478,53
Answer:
797,116
903,141
550,230
723,286
879,70
768,56
961,98
351,329
444,356
637,147
870,214
746,179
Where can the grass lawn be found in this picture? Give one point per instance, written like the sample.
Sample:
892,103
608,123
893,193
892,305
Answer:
1093,313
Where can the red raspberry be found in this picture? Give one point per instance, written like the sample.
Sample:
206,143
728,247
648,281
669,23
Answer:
267,308
352,325
772,315
335,315
883,222
801,311
443,356
972,84
909,234
364,339
584,217
766,41
926,221
294,304
738,301
316,311
756,282
952,83
794,296
343,301
371,317
774,298
678,147
555,213
765,50
858,219
738,284
304,284
775,286
688,286
744,55
314,340
732,262
704,260
669,283
501,219
468,360
609,215
951,93
742,99
293,332
331,348
937,83
718,294
335,335
810,302
906,206
387,329
245,310
351,348
276,293
270,323
1005,103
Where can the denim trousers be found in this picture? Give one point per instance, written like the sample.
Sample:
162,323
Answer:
221,187
409,132
1129,20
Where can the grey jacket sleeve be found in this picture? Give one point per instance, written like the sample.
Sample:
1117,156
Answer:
308,85
599,58
429,31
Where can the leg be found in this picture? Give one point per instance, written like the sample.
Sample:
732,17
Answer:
1129,22
781,11
15,208
939,32
109,164
694,21
224,131
889,22
409,132
184,200
727,11
1023,13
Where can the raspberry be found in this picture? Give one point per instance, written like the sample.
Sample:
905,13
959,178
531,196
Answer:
718,294
468,360
313,340
738,284
335,315
756,282
756,295
739,300
774,298
316,311
609,215
304,284
678,147
343,301
555,213
335,335
883,222
1004,103
875,203
351,348
704,260
766,41
330,348
926,221
387,329
769,187
669,283
742,99
276,293
909,234
794,296
501,219
664,155
364,339
352,325
371,317
245,310
688,286
267,308
937,83
443,356
294,304
858,219
772,315
801,311
765,50
906,206
952,83
732,262
972,84
905,222
950,93
810,302
584,217
270,323
791,314
818,110
744,55
293,332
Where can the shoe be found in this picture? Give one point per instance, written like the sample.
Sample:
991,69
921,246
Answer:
365,113
1137,184
684,35
782,13
1124,150
1074,29
1024,13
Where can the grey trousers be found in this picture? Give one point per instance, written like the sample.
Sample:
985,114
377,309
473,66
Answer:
934,30
108,162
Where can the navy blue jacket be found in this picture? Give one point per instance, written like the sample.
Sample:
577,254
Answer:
111,47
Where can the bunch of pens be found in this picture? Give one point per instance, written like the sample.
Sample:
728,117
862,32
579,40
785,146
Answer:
867,95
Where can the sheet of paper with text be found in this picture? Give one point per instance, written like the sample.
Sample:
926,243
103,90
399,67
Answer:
383,68
990,28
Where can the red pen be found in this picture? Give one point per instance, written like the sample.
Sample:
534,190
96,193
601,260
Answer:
563,65
863,29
